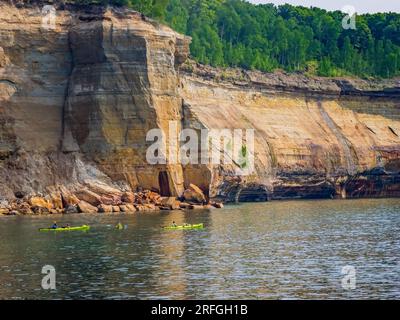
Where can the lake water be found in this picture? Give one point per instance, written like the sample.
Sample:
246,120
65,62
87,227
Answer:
283,249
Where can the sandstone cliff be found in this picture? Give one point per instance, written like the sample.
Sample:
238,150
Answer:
77,100
314,137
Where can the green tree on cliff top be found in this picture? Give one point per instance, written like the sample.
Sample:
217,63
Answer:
293,38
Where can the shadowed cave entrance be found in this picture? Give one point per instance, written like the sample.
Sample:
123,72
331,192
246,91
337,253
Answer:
163,182
252,194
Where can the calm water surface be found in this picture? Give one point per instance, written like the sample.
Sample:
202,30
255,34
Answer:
284,250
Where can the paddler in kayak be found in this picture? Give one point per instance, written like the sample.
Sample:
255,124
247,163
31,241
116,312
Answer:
119,226
174,224
54,226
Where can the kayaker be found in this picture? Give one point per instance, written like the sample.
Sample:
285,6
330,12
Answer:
54,226
174,224
119,226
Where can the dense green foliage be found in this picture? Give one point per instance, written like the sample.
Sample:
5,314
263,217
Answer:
266,37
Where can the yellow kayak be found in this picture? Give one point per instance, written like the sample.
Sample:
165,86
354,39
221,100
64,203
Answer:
81,228
185,227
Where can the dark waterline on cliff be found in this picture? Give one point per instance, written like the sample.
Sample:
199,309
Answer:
287,249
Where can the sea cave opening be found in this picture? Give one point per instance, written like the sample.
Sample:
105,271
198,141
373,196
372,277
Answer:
163,182
253,194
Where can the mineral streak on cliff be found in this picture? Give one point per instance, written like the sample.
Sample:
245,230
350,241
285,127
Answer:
315,137
94,85
77,100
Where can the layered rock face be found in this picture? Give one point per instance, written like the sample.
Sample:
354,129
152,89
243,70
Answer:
313,137
78,97
123,84
34,70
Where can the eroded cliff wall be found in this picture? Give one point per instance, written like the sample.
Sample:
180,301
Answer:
78,97
77,100
313,137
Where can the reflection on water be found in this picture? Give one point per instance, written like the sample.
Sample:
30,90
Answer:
285,250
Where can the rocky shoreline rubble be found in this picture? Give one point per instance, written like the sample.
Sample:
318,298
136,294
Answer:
104,199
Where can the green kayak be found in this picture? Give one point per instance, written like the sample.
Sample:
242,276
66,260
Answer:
185,227
81,228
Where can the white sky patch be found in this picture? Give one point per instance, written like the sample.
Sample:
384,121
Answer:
362,6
